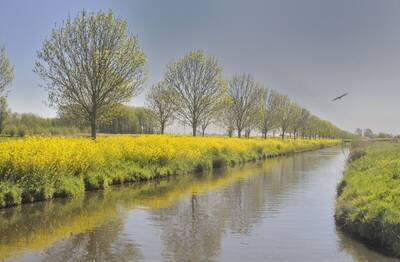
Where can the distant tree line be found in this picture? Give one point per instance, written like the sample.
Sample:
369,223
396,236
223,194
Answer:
91,66
129,120
367,132
16,124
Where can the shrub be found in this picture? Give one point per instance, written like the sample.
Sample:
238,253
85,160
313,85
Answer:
10,195
69,186
356,154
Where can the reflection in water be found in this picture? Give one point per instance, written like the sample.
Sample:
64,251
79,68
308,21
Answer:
278,210
32,227
101,244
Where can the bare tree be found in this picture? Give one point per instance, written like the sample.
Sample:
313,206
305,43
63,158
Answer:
6,71
284,112
244,93
196,88
268,110
205,122
369,133
295,120
313,125
300,123
160,106
252,122
227,119
91,65
359,131
213,114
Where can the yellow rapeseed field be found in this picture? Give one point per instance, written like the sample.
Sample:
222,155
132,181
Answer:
38,168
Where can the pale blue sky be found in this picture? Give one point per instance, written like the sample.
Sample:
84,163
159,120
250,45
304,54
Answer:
311,50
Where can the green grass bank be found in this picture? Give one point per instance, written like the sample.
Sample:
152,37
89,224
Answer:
368,197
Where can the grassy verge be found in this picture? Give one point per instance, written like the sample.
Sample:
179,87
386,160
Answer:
6,138
368,201
41,168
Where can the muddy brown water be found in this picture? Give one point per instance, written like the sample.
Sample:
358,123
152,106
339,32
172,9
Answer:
278,210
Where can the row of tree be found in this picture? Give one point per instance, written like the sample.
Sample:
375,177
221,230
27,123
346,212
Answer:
195,93
129,120
370,134
91,65
16,124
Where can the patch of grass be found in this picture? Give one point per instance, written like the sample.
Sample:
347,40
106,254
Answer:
47,167
368,201
10,194
6,138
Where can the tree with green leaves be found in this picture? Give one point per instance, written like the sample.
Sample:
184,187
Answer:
196,88
6,77
91,65
159,105
6,72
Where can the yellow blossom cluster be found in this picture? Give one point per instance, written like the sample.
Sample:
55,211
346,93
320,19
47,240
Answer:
37,168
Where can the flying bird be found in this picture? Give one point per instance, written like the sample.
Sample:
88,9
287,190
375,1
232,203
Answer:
339,97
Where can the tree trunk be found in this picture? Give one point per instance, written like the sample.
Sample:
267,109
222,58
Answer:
283,134
247,133
162,128
239,133
93,126
194,131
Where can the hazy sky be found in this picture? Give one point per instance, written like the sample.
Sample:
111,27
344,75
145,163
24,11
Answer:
311,50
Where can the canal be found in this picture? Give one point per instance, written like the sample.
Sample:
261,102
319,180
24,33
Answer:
278,210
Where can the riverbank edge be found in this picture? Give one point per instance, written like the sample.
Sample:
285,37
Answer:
383,237
11,195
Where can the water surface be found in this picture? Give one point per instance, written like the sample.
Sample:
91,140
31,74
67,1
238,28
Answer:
279,210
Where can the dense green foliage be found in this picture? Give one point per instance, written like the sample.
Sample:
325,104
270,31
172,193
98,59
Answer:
368,202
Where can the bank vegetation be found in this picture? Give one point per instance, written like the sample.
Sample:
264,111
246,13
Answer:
368,200
42,168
